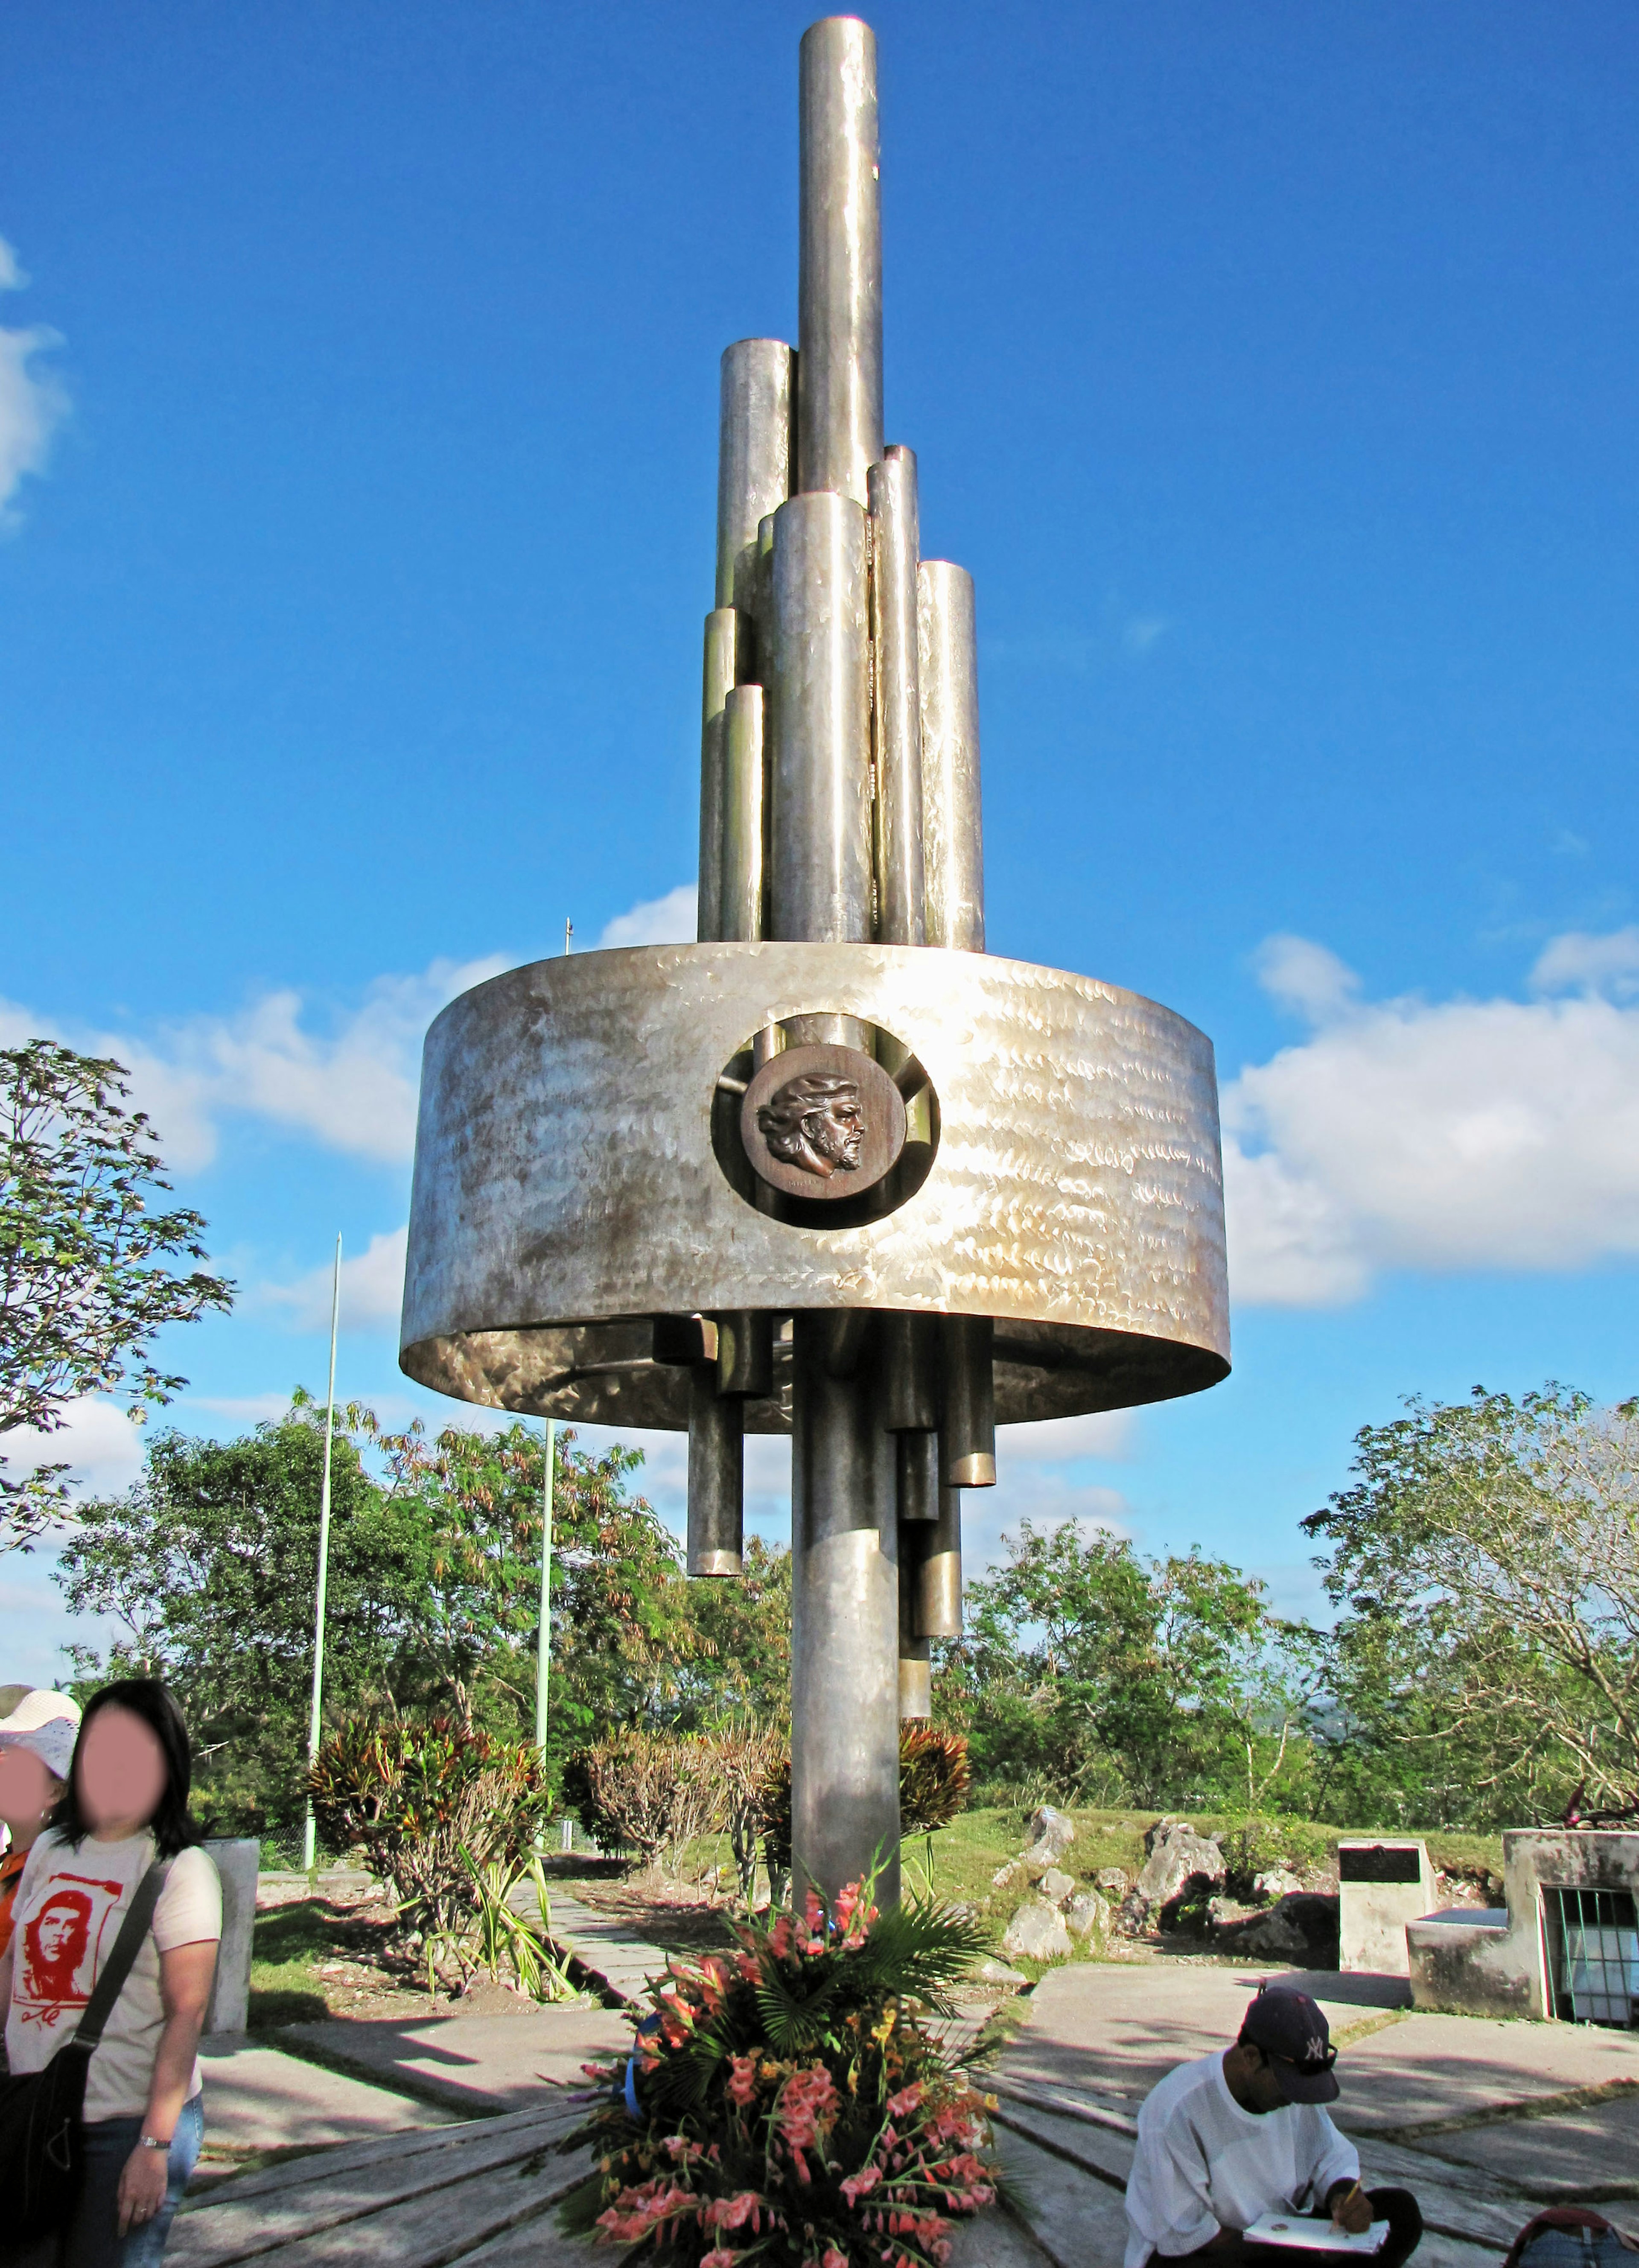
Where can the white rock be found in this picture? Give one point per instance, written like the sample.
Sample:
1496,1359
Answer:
997,1972
1276,1883
1054,1827
1057,1885
1037,1933
1005,1877
1087,1915
1180,1857
1113,1879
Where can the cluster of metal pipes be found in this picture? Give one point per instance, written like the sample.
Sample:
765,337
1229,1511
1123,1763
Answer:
840,805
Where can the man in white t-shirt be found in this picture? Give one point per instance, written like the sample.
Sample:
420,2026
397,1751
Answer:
1244,2132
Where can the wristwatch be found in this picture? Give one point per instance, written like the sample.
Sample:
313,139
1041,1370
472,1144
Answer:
152,2142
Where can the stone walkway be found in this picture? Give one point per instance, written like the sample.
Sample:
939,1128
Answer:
1484,2122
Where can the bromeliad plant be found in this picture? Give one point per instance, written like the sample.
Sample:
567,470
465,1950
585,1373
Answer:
784,2105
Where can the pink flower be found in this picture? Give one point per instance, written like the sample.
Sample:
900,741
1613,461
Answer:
859,2185
833,2258
719,2257
742,2085
733,2213
907,2099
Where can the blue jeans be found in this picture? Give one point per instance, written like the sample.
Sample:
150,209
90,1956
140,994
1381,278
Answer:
92,2239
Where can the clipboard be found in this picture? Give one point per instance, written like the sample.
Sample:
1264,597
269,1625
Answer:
1299,2233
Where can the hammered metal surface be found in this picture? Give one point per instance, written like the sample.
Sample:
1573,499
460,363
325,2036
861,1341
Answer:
566,1188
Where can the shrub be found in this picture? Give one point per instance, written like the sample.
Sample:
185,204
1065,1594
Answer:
742,1757
414,1795
1255,1846
934,1782
782,2104
650,1791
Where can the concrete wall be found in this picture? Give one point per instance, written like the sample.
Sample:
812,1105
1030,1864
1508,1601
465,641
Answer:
1495,1964
1372,1914
230,1998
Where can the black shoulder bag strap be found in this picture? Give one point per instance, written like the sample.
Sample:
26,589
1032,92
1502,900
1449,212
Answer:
135,1927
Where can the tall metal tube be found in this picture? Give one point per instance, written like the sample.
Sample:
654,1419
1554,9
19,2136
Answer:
918,1479
953,835
915,1674
939,1578
839,287
844,1625
715,1475
911,1367
756,459
741,920
717,675
902,916
820,731
967,1435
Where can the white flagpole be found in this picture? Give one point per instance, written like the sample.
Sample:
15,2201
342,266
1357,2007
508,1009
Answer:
309,1850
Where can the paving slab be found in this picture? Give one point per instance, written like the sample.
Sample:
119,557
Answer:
258,2099
602,1944
1412,2076
1592,2150
1118,2026
469,2065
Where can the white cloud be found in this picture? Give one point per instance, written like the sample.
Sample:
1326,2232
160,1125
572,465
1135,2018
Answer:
1106,1433
372,1287
32,403
1306,977
97,1439
1454,1135
1578,962
351,1088
670,920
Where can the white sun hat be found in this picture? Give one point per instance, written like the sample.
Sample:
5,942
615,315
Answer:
47,1724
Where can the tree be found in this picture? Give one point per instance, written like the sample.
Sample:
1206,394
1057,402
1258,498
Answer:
1160,1681
619,1624
86,1279
208,1566
1487,1565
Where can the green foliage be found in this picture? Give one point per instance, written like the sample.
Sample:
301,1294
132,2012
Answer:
934,1783
618,1610
207,1568
935,1777
427,1803
651,1793
1108,1676
1486,1564
86,1273
503,1936
787,2102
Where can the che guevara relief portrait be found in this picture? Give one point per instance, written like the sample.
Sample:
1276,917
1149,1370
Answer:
822,1123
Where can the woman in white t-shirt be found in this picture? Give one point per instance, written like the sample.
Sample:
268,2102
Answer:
125,1804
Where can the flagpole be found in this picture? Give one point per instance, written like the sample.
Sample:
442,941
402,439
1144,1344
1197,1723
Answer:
309,1850
544,1655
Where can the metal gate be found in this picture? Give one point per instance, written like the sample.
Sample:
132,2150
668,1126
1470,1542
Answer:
1593,1956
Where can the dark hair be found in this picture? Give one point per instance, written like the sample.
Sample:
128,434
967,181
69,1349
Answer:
173,1827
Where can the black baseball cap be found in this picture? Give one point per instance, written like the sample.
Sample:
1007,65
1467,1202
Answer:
1294,2035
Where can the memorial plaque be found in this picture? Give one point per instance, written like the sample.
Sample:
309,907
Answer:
825,1123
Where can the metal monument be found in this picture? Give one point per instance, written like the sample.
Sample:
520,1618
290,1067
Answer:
832,1169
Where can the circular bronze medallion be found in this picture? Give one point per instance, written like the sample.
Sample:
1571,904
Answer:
822,1123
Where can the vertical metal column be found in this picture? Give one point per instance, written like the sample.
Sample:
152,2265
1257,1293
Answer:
900,884
716,1466
820,831
717,673
952,833
838,283
756,457
844,1528
844,1624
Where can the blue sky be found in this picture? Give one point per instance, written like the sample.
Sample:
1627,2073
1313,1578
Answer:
1271,368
